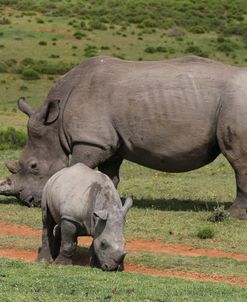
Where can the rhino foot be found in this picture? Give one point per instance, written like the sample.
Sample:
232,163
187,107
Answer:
238,212
44,256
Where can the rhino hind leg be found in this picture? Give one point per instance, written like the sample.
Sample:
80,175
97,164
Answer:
68,242
47,248
239,207
111,168
233,144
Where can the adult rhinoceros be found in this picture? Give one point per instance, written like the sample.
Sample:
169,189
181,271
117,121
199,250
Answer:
174,116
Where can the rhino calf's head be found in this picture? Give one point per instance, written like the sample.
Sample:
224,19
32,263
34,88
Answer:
107,249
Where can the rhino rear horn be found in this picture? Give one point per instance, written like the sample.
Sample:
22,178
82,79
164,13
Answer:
13,166
24,107
127,205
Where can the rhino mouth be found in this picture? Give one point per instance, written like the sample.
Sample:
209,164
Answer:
30,201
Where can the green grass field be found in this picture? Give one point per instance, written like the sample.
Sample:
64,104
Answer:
49,37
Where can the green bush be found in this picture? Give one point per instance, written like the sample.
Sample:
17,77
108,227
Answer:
196,50
11,138
96,24
28,73
206,232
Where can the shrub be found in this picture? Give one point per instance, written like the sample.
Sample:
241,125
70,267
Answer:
152,49
78,35
196,50
206,232
28,73
53,56
27,62
83,24
96,24
175,32
197,29
2,45
42,43
11,138
90,51
23,88
39,20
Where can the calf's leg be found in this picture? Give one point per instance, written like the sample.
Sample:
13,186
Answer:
68,242
46,250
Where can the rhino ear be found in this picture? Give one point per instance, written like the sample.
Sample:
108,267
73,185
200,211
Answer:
102,214
13,166
24,107
52,111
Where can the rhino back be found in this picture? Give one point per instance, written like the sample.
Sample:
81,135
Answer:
71,192
161,114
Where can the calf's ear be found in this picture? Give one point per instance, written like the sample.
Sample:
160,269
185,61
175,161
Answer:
102,214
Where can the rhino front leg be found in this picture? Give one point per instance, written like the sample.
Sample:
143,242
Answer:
46,250
111,168
68,242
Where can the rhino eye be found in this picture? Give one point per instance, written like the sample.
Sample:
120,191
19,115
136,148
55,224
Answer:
104,244
33,166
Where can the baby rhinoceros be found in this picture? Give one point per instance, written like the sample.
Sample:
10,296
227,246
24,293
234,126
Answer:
82,201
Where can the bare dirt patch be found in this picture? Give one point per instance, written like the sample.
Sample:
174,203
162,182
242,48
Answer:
133,245
30,256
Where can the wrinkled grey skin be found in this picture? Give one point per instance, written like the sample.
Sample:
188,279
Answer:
83,202
175,116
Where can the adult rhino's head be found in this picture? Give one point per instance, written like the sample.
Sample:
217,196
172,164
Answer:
42,156
108,245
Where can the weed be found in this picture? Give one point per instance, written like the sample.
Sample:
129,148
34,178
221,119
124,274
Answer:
219,214
206,232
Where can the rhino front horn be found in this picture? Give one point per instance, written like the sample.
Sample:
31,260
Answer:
12,166
6,187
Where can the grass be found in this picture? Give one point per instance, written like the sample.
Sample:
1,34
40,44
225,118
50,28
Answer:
207,265
169,207
28,282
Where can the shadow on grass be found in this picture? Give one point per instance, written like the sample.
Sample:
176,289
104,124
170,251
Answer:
159,204
179,205
81,256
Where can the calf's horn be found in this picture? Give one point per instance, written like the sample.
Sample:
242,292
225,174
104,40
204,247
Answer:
127,204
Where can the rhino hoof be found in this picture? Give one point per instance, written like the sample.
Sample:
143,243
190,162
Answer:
238,212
